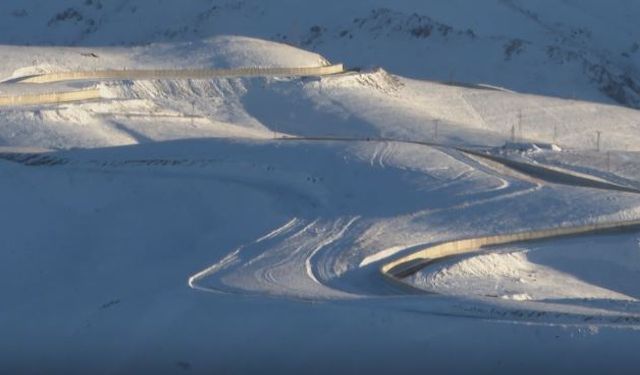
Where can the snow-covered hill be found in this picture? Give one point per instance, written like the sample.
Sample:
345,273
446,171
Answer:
368,103
239,224
573,49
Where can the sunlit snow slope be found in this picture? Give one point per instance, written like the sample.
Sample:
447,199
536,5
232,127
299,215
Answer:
585,49
239,224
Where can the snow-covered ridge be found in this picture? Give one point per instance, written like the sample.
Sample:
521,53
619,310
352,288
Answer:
365,104
221,52
572,49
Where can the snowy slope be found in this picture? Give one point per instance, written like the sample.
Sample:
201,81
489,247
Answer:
573,49
239,224
366,104
100,245
534,272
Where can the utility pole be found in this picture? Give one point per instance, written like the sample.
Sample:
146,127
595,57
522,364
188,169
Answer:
608,161
435,130
193,111
598,132
513,133
520,125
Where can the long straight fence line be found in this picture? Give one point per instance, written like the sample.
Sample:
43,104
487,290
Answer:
141,74
51,97
150,74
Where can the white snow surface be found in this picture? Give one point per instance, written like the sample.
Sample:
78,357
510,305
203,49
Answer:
601,268
585,49
238,224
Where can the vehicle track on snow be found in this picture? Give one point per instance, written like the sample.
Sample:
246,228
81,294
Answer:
289,267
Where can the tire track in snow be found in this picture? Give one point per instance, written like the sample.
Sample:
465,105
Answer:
504,164
294,272
234,257
291,272
278,263
276,232
486,169
381,152
340,234
268,273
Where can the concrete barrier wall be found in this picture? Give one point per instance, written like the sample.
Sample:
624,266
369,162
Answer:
50,98
553,174
70,96
181,74
398,269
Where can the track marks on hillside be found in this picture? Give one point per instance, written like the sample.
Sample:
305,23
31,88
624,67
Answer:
284,262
